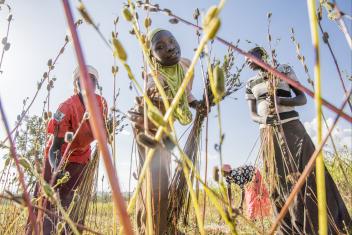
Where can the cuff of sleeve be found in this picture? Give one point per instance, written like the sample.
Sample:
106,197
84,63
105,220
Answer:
249,97
190,98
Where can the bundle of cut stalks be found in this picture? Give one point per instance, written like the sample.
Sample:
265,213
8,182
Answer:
84,192
179,203
178,191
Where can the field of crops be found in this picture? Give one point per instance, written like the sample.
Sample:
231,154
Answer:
142,140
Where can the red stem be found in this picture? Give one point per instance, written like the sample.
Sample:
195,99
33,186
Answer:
96,122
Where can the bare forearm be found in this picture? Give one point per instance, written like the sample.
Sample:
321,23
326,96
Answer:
294,101
242,198
258,119
55,152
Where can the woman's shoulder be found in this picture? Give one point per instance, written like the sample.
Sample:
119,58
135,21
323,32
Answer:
185,62
69,102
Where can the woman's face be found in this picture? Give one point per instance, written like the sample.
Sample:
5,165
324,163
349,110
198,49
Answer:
93,81
252,65
165,48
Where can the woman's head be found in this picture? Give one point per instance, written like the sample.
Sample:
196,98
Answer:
93,75
164,47
258,52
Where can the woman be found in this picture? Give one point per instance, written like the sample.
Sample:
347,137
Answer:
171,68
253,189
70,117
283,165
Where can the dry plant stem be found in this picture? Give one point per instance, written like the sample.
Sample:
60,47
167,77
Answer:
273,87
97,125
221,180
19,170
268,68
34,97
343,28
336,65
206,130
194,199
299,55
3,49
307,170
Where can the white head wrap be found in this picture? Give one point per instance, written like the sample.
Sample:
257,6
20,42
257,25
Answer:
91,70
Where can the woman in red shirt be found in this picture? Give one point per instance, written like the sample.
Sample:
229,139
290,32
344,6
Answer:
70,117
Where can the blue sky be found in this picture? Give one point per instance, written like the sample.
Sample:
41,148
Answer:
39,28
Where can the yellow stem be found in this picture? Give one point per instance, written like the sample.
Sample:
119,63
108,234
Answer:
320,174
149,204
193,198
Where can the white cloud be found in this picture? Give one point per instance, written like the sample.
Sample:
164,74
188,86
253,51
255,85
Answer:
342,136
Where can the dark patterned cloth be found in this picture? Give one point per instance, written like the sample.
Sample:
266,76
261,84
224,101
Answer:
241,175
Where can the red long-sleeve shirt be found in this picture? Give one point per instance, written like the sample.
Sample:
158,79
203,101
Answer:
67,119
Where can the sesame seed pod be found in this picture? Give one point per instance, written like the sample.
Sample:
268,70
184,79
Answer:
60,226
45,116
127,14
147,22
129,71
219,80
216,174
83,11
211,81
48,190
119,50
64,179
211,13
25,164
143,38
212,29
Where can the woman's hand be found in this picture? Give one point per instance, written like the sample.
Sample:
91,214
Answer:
200,106
270,120
226,169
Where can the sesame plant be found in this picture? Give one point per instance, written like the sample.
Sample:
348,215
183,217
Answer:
195,203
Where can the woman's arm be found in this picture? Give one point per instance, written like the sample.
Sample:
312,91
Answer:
242,199
299,100
270,119
55,152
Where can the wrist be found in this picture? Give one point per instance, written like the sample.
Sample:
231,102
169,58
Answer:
193,104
